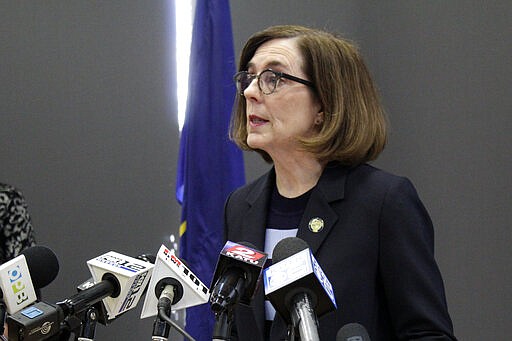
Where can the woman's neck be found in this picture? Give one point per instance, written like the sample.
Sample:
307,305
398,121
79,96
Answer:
296,176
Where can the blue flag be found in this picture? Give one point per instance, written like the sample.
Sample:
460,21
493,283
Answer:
209,166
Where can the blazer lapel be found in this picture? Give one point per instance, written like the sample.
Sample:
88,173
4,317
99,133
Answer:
256,214
319,217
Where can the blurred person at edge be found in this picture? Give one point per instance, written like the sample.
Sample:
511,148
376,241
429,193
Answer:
16,232
307,104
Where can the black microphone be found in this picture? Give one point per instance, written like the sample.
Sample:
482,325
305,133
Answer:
298,288
43,265
235,280
23,276
352,332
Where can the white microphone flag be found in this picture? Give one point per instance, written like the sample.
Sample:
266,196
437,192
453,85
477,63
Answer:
168,265
133,275
16,284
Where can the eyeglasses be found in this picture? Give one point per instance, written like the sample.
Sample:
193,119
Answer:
267,80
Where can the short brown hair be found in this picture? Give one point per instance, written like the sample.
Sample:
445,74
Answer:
354,129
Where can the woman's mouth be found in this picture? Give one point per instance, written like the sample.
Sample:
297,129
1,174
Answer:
256,120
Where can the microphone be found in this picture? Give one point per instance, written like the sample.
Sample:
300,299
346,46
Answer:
352,332
119,282
235,280
33,269
297,287
100,310
132,274
172,284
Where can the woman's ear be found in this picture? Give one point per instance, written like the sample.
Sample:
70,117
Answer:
319,118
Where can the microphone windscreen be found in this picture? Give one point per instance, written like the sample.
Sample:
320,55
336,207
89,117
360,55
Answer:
352,331
288,247
42,264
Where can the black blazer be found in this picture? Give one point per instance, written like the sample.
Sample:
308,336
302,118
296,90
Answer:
376,248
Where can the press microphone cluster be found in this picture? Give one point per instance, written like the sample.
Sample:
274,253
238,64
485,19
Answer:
116,285
295,285
298,288
119,281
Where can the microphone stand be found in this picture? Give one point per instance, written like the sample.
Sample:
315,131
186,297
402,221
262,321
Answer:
223,323
89,325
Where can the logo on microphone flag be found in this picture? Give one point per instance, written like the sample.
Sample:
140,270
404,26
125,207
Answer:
209,166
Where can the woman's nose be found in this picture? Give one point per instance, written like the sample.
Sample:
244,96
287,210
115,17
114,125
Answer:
253,89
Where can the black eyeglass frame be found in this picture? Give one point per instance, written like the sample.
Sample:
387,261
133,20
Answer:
276,73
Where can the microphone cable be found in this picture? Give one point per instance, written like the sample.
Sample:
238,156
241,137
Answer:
163,306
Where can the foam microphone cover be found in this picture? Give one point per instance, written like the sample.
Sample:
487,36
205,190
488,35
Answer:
352,332
288,247
43,265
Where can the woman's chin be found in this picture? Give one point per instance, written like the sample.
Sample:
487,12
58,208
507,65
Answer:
255,142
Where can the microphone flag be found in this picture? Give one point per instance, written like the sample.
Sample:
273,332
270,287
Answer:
16,284
210,166
168,265
133,275
298,271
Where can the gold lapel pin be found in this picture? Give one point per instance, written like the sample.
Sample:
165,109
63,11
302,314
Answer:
316,224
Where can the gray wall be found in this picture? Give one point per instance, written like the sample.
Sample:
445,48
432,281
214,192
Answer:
89,132
88,129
